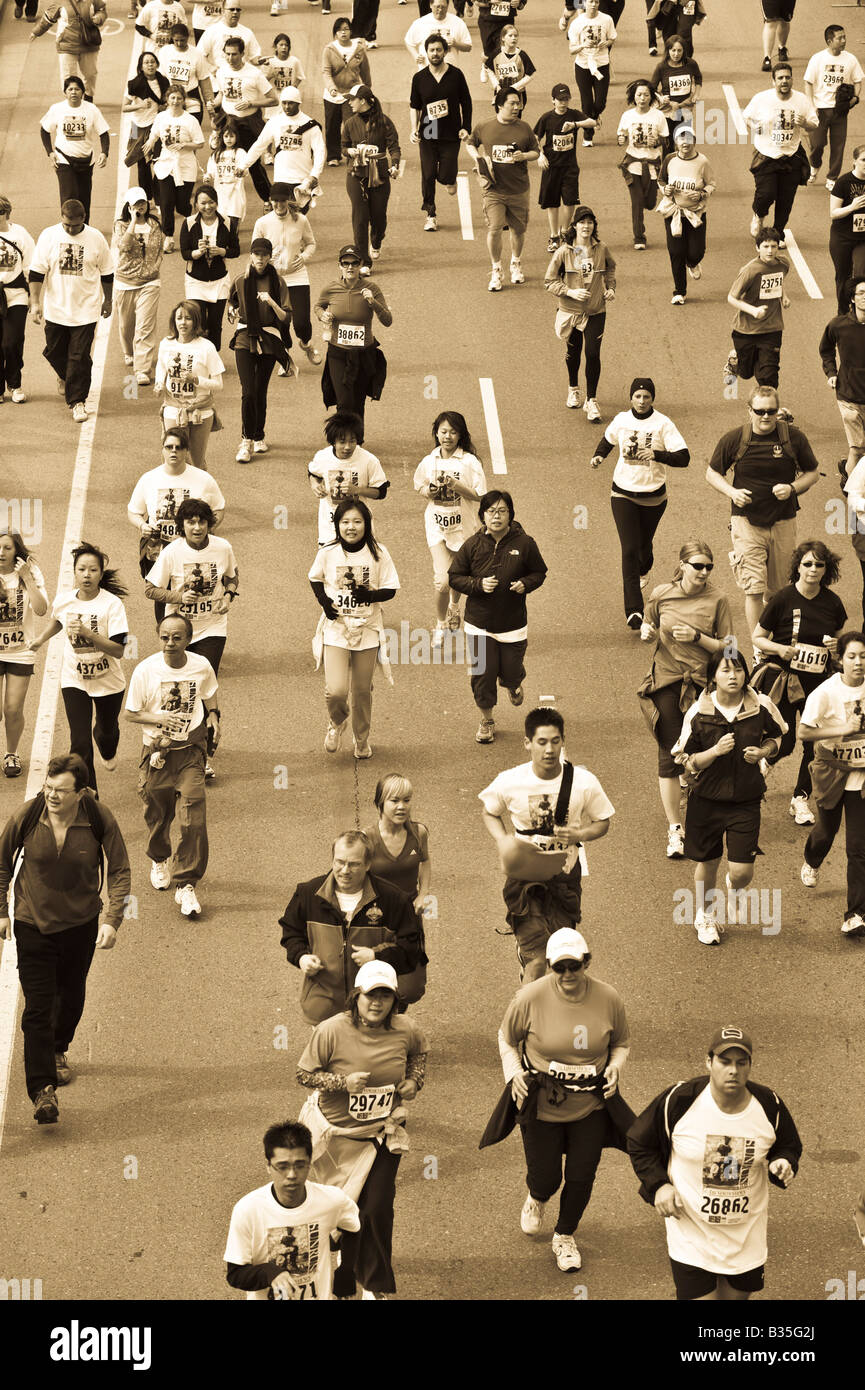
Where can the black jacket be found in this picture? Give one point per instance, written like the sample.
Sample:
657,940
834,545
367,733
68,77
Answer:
650,1140
516,556
202,268
729,777
842,352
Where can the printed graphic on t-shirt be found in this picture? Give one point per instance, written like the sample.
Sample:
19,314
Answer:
348,579
173,133
340,480
833,74
440,488
78,639
71,258
201,579
88,667
11,617
637,439
542,814
178,376
232,88
852,751
727,1163
74,127
642,135
295,1250
178,698
784,125
9,256
167,501
592,34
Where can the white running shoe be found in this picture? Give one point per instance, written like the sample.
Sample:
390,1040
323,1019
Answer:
756,225
260,446
809,876
79,413
593,414
531,1215
517,276
496,281
19,397
708,933
431,225
244,453
675,842
362,751
830,184
573,401
801,811
566,1252
853,926
159,875
439,633
333,737
189,904
695,272
678,299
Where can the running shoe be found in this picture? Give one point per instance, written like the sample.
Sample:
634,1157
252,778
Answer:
312,353
11,765
79,413
244,453
588,141
653,50
695,272
486,731
128,360
159,874
566,1252
189,904
63,1069
110,764
142,378
853,926
209,771
678,299
453,619
61,386
366,270
675,842
756,224
766,65
19,11
639,246
782,55
809,876
362,751
707,929
259,446
431,225
372,43
552,245
19,397
812,177
168,245
496,282
573,400
517,696
334,163
46,1111
531,1215
634,621
801,811
830,184
517,276
644,582
333,737
731,365
593,414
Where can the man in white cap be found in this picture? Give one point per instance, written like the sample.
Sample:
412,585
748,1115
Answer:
705,1152
299,148
564,1037
137,246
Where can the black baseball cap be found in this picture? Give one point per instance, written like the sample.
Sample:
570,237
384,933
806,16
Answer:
350,253
561,90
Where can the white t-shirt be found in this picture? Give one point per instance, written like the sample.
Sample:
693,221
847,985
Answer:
288,236
833,702
84,666
646,133
177,159
158,494
597,34
212,43
447,515
718,1167
157,688
203,16
341,571
73,267
363,469
450,28
158,20
16,254
348,902
284,72
75,130
296,156
238,89
826,71
17,619
295,1239
779,135
627,433
177,366
181,566
186,68
530,801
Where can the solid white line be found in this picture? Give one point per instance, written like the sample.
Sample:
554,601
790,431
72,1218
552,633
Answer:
802,266
734,108
494,429
465,205
43,730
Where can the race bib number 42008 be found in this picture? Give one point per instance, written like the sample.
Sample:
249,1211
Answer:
372,1103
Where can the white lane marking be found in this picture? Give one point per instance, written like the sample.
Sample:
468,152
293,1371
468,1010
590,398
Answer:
43,730
494,429
734,108
802,266
465,206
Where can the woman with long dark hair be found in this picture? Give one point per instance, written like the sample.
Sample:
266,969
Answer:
351,578
145,98
258,304
206,242
92,682
189,371
23,599
370,140
582,276
452,480
344,64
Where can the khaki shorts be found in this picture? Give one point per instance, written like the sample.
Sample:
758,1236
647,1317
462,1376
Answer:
510,208
762,555
853,420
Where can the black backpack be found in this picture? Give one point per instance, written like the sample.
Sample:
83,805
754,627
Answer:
746,436
31,820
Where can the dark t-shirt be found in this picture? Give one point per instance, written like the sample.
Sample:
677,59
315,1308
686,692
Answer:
442,102
497,137
821,616
851,228
765,463
677,83
559,147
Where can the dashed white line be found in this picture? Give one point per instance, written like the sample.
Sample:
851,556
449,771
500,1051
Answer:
802,267
494,429
465,206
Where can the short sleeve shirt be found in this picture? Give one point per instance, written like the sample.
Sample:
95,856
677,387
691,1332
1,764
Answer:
293,1239
72,267
337,1045
447,516
778,134
363,469
157,688
158,494
84,666
500,139
201,572
342,572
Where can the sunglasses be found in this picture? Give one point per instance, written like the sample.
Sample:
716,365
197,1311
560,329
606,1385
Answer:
814,564
707,568
568,967
766,411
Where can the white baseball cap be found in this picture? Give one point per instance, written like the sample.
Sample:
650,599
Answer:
566,944
135,195
289,94
376,974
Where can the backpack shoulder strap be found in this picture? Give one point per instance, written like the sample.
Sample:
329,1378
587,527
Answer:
98,827
27,826
744,441
564,798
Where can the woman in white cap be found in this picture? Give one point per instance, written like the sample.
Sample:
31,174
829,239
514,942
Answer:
137,247
686,183
565,1036
363,1065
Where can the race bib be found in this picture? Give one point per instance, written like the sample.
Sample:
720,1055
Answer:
853,752
350,335
372,1103
509,70
437,110
859,221
782,135
503,154
726,1179
572,1073
290,141
563,142
197,608
448,520
680,86
180,386
91,670
179,71
809,658
74,129
500,10
772,286
11,637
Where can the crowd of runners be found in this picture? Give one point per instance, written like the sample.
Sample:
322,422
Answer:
228,141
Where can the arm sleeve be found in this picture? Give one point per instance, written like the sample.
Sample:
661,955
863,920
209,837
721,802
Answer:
827,351
294,939
251,1277
118,875
8,846
649,1148
787,1142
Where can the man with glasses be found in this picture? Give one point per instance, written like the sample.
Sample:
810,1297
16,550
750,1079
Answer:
554,808
215,36
59,838
842,353
772,464
565,1040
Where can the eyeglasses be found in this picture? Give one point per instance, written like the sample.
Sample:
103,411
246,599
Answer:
568,967
700,567
814,564
765,410
497,511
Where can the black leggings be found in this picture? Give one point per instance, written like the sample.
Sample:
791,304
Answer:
636,526
211,648
580,1143
211,320
13,326
255,370
788,713
83,730
591,335
367,1253
685,250
848,258
299,298
593,90
172,198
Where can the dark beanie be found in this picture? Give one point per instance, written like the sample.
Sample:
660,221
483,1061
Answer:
642,383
